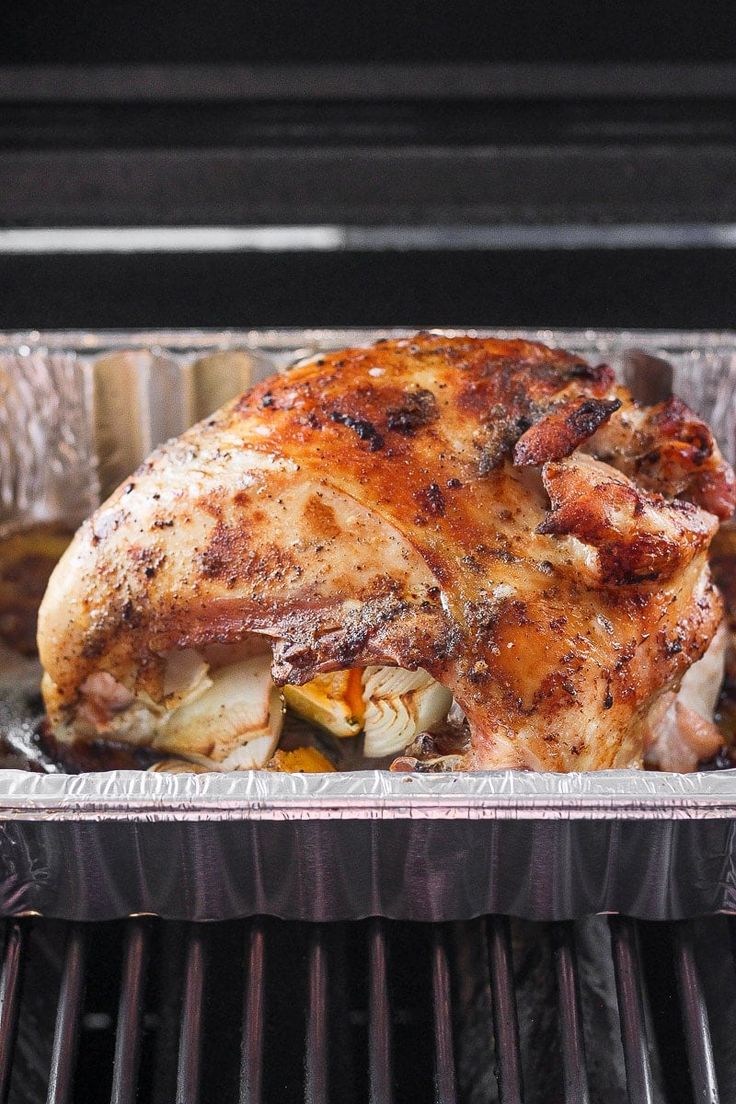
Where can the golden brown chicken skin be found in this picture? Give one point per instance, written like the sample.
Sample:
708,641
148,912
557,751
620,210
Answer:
496,512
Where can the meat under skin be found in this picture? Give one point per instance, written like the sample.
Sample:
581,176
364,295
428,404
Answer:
432,502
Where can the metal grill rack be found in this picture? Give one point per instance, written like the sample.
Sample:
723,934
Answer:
375,1011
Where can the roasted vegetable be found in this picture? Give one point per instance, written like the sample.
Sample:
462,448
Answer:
303,760
398,705
334,702
236,721
390,704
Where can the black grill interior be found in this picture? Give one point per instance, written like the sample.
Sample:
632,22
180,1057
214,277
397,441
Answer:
602,1010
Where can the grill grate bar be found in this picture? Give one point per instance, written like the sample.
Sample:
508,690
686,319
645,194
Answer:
190,1036
634,1037
270,1030
444,1072
66,1034
130,1013
254,1010
315,1057
9,1001
379,1017
571,1023
505,1020
694,1016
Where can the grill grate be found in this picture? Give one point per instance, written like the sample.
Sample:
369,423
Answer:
375,1011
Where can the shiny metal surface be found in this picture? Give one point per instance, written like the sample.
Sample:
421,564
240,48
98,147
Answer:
335,846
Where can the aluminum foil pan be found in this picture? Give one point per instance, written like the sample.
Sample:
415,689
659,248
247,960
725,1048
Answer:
79,411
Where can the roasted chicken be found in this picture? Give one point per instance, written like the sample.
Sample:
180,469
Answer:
496,519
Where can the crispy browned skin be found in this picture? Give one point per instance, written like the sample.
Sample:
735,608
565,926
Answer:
427,502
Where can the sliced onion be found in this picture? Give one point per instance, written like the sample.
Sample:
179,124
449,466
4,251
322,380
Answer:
240,708
185,678
399,705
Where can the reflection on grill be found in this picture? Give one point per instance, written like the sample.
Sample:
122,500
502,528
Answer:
376,1011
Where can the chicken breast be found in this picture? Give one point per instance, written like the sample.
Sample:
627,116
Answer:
495,513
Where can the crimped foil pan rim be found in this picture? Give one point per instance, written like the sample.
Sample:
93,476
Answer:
368,795
287,338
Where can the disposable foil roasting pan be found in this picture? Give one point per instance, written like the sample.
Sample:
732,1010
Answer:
78,412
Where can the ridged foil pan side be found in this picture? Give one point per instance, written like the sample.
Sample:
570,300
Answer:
323,870
47,454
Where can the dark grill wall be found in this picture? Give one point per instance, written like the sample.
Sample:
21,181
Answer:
413,30
658,288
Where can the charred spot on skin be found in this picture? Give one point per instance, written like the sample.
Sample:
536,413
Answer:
448,644
431,500
128,488
162,523
498,432
586,418
503,555
482,615
454,484
129,614
418,409
365,430
515,612
225,547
